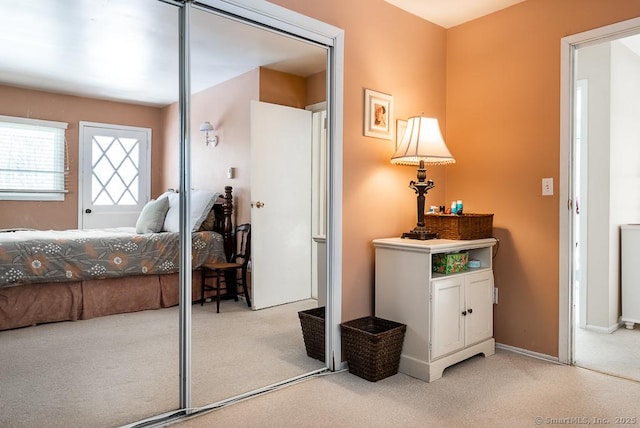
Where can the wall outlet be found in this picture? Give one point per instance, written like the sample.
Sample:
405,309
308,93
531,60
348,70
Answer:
547,187
495,296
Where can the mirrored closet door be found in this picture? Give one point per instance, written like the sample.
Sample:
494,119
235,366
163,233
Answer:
84,353
255,122
253,86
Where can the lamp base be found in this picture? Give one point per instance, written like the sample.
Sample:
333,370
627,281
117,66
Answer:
419,233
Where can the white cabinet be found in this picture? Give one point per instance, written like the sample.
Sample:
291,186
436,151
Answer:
630,275
462,312
449,317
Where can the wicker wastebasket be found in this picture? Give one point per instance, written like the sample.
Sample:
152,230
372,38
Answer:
372,347
312,324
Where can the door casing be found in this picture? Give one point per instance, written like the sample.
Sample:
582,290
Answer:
568,46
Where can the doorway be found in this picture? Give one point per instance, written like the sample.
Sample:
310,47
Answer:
114,174
597,163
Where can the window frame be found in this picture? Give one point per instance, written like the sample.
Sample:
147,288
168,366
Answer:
9,194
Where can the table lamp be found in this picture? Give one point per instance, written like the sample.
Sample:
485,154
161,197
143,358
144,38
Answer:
422,144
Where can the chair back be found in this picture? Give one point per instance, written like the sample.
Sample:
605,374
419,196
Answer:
243,244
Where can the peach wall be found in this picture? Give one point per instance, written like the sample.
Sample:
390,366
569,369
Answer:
503,125
282,88
227,107
316,88
64,108
390,51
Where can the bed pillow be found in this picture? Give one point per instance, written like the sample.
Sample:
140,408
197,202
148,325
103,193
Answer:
152,216
201,203
172,220
209,221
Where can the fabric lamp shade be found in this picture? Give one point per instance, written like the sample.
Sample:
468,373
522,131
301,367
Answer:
422,141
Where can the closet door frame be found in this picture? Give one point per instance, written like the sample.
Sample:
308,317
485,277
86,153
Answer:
269,16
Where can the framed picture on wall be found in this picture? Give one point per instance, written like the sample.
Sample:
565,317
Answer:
378,114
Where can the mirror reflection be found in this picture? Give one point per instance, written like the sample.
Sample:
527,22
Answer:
263,119
98,346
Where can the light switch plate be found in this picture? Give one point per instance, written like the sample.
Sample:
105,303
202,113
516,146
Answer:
547,187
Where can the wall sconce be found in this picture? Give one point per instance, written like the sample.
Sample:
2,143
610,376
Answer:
206,127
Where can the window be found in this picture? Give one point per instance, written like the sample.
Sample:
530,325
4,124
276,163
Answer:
33,161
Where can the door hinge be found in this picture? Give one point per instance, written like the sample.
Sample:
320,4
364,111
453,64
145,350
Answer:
569,204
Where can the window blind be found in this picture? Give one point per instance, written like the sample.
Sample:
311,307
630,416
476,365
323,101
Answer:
33,159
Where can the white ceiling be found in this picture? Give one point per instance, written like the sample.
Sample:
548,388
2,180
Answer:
128,49
449,13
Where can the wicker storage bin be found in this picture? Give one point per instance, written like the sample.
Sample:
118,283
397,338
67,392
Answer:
372,347
312,323
464,226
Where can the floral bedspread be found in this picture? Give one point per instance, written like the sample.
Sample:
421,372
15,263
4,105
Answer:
28,256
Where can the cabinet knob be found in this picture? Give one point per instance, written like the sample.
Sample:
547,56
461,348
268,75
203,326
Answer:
464,313
470,310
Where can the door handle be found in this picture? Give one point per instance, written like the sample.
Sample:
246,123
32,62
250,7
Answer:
88,211
259,204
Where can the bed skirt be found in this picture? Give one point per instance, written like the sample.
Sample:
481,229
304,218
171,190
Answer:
31,304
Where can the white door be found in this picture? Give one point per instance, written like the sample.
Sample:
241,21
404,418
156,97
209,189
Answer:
114,174
447,321
281,204
580,179
479,307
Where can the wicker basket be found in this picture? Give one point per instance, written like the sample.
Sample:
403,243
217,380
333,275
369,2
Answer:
312,323
464,226
372,347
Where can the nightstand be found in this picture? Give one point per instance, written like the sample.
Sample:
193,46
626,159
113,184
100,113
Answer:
449,317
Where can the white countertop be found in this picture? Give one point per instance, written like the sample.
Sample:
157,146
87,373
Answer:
433,245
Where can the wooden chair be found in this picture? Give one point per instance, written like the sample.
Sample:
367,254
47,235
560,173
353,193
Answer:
228,272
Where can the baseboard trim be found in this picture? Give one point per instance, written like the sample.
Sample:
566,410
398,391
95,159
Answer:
606,330
529,353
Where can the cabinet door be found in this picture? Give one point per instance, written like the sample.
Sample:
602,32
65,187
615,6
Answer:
479,307
447,328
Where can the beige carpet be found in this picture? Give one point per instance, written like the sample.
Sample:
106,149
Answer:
504,390
616,353
114,370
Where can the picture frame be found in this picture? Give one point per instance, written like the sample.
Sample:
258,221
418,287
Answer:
378,114
401,128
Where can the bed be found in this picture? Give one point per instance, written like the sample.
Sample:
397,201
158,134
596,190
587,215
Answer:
50,276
